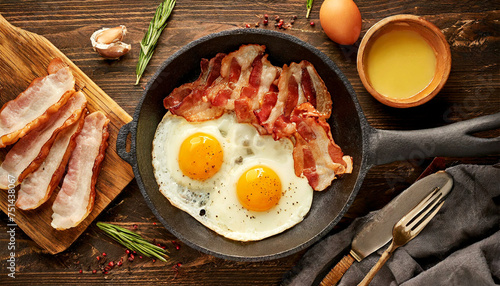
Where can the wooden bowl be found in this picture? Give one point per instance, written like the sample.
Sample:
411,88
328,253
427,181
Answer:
434,38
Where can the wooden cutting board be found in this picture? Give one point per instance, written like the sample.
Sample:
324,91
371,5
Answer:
25,56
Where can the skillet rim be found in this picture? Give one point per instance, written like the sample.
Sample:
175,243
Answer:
366,131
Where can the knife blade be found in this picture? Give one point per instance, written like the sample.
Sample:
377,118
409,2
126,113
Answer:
377,231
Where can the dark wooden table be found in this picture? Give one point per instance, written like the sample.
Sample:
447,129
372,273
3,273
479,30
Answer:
471,28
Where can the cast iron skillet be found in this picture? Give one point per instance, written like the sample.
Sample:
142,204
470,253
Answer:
368,146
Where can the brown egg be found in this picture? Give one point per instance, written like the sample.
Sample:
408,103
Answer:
341,21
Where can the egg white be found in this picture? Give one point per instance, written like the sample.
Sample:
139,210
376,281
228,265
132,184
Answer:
214,202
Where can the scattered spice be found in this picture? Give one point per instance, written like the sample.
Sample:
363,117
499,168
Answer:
134,226
111,264
94,271
120,263
280,22
154,223
81,271
98,258
148,43
177,246
131,258
104,254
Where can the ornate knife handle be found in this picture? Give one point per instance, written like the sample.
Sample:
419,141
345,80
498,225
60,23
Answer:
334,276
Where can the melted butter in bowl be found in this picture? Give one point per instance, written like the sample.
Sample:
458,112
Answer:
401,64
404,61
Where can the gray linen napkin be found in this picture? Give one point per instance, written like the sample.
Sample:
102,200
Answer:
460,246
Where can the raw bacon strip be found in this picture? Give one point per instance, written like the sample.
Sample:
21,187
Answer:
313,138
76,198
38,186
31,150
299,83
33,107
189,100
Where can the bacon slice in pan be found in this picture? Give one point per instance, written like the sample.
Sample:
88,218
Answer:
38,186
76,198
260,92
31,108
189,100
298,83
240,69
30,151
312,139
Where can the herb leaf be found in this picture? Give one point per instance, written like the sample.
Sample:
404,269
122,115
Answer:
309,7
132,240
148,43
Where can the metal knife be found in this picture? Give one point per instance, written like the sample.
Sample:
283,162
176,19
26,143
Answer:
377,231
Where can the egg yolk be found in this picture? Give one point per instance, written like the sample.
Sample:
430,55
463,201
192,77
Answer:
259,189
200,156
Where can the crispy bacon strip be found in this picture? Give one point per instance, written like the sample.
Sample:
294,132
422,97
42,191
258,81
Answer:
298,83
76,198
255,99
189,100
313,138
38,186
31,150
43,97
237,68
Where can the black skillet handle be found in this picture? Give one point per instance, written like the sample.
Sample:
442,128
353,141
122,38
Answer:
454,140
121,143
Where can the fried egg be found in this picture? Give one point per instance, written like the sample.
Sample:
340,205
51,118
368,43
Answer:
230,178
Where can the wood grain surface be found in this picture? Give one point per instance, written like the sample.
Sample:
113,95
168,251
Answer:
25,56
470,27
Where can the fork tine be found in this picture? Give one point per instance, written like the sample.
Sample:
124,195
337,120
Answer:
430,215
410,216
424,212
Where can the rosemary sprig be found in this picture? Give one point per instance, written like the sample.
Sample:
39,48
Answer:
309,7
148,43
132,240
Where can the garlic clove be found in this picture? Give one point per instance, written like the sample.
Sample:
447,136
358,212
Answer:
107,42
108,36
114,50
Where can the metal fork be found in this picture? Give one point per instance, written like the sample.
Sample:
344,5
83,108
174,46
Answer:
408,227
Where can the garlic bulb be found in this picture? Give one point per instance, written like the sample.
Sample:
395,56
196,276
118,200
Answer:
108,42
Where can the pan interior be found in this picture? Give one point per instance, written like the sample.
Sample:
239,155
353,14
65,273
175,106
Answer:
328,206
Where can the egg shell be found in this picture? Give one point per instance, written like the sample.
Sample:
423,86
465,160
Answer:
341,21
